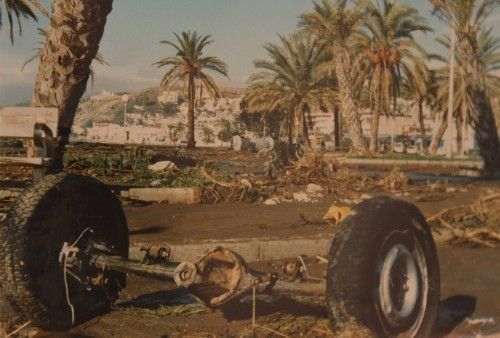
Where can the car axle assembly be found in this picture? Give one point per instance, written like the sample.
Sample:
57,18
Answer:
64,259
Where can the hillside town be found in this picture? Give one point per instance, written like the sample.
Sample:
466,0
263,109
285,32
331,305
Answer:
218,120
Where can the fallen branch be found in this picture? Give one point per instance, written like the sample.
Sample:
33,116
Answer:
16,331
205,174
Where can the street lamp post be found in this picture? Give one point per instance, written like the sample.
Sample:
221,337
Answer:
125,99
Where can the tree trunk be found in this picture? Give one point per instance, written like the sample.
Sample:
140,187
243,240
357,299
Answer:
438,135
483,119
336,122
302,131
460,139
421,122
374,123
348,102
376,111
191,142
305,128
290,129
73,37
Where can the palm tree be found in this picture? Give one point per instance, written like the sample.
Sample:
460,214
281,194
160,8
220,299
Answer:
467,19
386,40
73,37
292,82
418,89
18,8
188,69
38,54
334,25
488,51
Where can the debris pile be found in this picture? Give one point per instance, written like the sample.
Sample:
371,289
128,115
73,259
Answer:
477,224
394,181
240,190
339,178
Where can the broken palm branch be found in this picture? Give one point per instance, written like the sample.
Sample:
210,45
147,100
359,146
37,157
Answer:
477,224
240,190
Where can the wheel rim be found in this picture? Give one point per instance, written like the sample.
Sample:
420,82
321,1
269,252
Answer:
402,288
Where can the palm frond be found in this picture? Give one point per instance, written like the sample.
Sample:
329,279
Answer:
20,8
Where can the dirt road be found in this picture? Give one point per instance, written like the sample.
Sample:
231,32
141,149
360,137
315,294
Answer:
159,223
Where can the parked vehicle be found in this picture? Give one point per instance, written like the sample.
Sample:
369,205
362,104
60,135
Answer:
412,149
399,147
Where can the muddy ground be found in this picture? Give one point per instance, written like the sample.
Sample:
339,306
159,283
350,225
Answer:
469,303
470,278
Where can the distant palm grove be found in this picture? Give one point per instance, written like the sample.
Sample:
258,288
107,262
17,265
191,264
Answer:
353,55
347,56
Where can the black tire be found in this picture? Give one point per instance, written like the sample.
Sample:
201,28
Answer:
58,210
371,257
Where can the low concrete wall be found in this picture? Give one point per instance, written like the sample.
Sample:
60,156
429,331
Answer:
252,250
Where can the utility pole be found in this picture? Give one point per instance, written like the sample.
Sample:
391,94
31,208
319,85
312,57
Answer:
451,94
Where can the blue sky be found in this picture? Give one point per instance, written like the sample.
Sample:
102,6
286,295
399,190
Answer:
135,27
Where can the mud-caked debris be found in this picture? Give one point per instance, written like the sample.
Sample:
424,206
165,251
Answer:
477,224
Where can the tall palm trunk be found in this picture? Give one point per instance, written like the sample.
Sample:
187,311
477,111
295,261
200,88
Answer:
421,122
305,126
348,102
438,135
302,130
73,37
191,142
459,122
375,120
484,119
336,122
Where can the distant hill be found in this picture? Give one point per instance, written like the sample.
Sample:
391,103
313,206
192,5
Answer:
109,107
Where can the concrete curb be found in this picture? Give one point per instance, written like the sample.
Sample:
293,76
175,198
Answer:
164,195
252,250
476,165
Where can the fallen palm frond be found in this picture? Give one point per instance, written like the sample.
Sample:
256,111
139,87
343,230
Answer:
477,224
333,173
240,190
